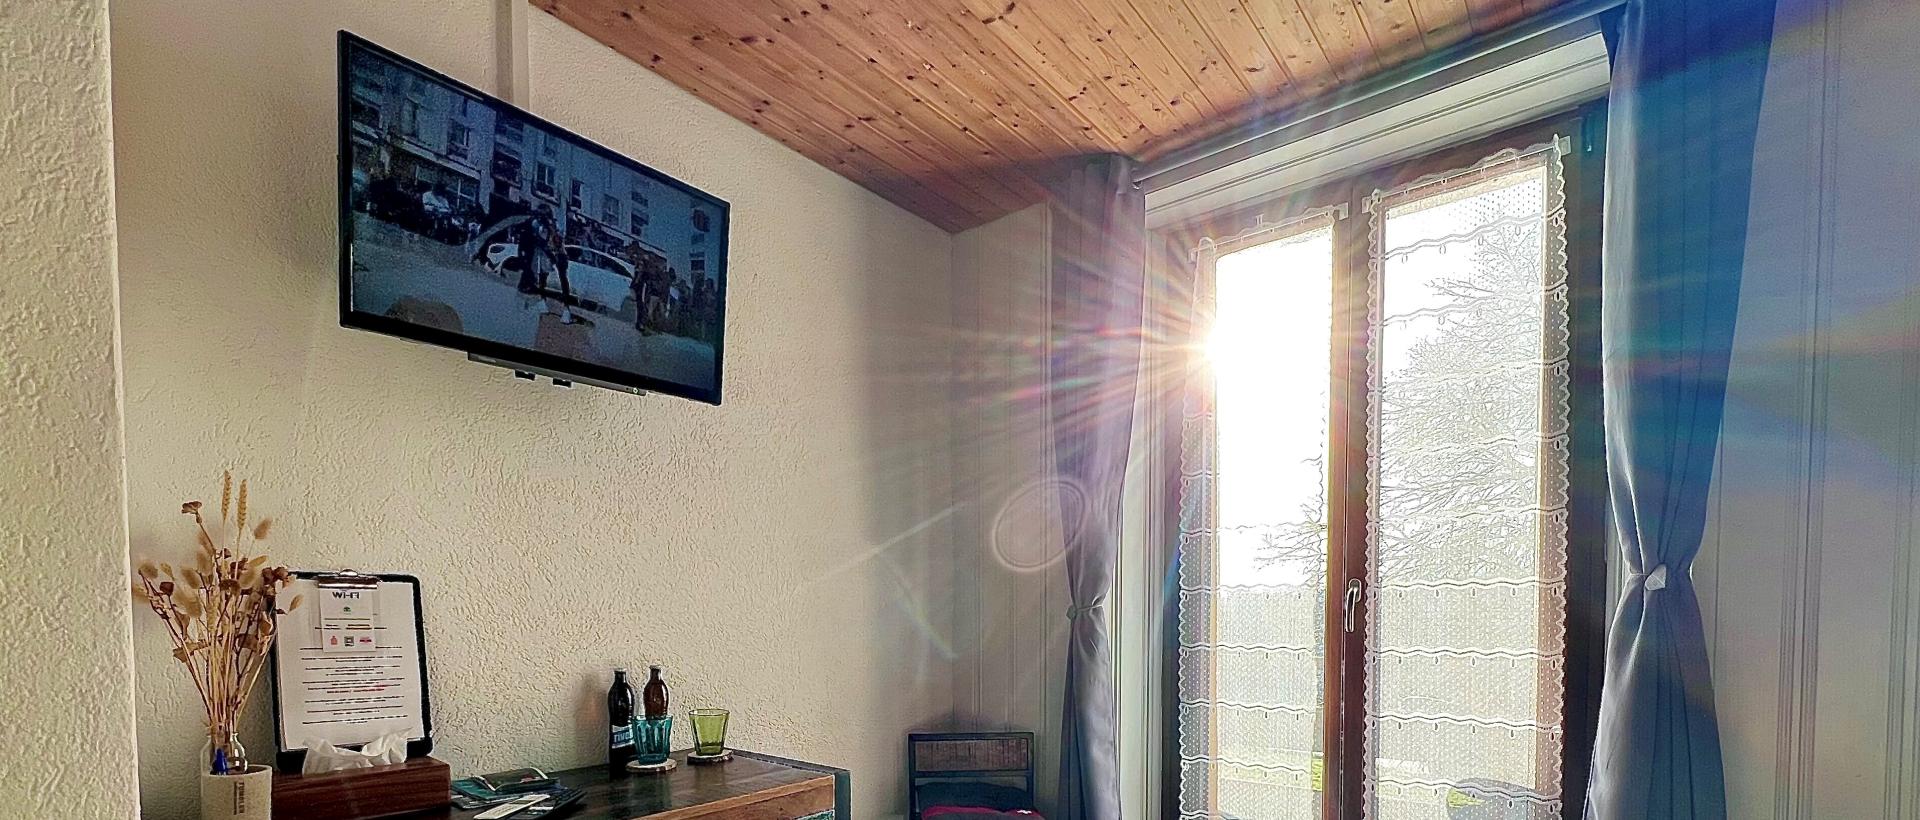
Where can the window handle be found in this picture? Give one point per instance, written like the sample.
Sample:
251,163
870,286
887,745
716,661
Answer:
1353,601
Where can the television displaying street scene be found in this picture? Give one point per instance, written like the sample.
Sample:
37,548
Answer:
469,223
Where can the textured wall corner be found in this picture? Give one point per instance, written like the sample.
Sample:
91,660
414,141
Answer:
66,718
783,555
1010,586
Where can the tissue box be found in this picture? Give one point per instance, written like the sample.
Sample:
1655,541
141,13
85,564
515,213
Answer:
359,794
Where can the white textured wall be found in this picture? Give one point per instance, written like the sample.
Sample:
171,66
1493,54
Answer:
1810,578
66,703
769,552
1011,602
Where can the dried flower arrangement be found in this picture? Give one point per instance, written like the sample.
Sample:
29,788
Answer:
219,613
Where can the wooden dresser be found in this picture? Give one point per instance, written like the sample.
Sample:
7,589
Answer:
749,787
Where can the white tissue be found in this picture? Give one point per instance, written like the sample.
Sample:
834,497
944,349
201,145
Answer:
381,751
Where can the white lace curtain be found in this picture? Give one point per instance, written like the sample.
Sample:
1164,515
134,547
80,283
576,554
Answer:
1467,460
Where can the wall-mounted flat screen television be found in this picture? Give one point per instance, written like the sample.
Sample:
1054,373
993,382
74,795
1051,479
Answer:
468,223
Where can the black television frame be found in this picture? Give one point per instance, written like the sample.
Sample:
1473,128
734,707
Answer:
587,372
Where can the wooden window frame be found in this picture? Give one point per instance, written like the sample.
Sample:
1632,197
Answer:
1587,528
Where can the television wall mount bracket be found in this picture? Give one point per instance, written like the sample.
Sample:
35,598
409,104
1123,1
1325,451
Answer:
533,373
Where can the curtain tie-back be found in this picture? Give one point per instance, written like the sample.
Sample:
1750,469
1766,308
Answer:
1078,610
1657,579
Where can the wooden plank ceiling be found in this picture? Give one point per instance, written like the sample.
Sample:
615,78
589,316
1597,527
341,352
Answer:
961,110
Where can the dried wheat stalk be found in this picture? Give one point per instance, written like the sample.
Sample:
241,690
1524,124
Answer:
219,612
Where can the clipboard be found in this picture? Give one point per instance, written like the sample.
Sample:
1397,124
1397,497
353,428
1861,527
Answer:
353,696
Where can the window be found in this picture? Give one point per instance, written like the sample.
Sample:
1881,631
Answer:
370,75
543,180
1385,610
368,92
466,190
459,139
1264,644
508,130
610,210
410,119
506,166
363,113
576,191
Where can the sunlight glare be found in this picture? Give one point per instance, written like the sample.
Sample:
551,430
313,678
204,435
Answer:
1270,349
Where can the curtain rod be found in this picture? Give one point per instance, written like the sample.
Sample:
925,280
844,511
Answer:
1192,161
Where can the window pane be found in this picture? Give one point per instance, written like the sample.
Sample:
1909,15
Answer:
1253,599
1467,651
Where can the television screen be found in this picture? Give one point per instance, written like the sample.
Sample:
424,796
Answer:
469,223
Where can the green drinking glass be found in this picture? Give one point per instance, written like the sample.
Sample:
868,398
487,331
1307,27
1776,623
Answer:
709,731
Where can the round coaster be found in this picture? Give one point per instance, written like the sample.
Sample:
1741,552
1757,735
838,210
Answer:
708,760
650,768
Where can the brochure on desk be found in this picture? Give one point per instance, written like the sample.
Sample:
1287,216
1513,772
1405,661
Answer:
350,665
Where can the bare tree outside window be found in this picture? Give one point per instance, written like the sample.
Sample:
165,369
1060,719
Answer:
1467,651
1466,541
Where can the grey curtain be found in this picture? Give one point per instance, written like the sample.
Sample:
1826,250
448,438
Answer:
1095,308
1687,82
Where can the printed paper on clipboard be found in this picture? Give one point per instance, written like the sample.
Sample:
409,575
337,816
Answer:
329,683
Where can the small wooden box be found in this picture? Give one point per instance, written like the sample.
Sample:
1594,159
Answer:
360,794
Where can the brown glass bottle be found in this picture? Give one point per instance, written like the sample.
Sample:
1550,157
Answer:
654,696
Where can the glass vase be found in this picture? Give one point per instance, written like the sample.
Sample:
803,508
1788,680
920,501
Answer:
223,753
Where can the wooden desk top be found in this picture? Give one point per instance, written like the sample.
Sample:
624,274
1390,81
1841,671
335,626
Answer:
727,789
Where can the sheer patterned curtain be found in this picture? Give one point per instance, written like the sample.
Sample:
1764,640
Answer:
1461,303
1467,463
1252,551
